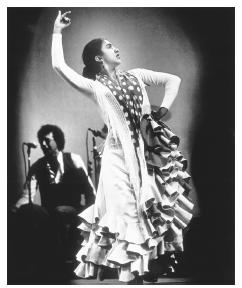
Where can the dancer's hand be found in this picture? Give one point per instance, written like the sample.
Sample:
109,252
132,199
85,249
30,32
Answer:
160,113
61,21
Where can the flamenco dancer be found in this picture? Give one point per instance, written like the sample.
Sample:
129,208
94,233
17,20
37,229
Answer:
142,203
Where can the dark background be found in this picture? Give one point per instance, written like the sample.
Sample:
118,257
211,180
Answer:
209,243
212,237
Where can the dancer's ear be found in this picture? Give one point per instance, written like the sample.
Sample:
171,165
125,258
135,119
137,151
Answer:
99,59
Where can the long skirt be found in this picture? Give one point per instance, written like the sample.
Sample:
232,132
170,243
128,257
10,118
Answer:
117,235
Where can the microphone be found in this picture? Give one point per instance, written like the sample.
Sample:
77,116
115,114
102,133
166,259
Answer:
31,145
97,133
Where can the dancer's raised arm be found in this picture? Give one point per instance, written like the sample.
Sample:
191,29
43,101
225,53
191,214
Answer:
76,80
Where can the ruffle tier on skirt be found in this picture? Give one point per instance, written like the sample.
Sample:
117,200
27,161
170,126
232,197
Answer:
116,250
168,207
116,239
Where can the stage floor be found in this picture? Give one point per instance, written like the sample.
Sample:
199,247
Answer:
161,281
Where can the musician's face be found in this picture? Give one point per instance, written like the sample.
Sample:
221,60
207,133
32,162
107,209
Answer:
48,145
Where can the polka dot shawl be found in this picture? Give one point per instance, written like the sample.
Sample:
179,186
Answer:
127,92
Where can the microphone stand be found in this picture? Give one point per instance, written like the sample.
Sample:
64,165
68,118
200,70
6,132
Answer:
96,153
89,163
28,182
95,156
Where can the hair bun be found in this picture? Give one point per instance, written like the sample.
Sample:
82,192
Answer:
88,72
84,71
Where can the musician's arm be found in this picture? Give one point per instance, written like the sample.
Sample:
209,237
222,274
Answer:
79,164
24,199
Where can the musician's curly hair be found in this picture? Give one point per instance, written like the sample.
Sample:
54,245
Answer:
58,134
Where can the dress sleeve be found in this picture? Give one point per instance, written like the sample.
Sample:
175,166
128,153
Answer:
170,82
76,80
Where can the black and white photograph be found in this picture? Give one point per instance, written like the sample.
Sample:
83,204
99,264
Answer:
120,145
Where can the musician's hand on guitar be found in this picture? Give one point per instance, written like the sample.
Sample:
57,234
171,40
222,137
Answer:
14,209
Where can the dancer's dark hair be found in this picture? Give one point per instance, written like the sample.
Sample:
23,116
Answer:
90,51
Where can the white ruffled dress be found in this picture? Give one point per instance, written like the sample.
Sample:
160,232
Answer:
123,229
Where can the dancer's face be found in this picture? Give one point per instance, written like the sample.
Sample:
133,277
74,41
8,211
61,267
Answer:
110,54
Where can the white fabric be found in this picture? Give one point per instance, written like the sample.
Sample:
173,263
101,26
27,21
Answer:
170,82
